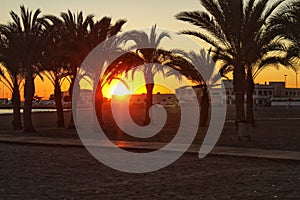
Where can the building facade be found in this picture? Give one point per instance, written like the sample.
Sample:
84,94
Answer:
268,94
185,94
272,94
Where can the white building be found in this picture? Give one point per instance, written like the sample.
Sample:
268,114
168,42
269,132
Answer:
272,94
185,94
188,94
261,96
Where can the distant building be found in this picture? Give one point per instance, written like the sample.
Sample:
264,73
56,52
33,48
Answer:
261,96
185,94
188,94
267,94
285,96
272,94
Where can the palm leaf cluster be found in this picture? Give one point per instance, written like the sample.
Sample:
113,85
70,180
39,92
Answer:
245,37
47,46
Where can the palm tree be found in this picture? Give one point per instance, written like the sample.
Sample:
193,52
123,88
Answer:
10,75
97,80
234,29
271,55
54,64
287,23
207,78
172,63
144,57
13,81
57,77
80,36
29,32
100,31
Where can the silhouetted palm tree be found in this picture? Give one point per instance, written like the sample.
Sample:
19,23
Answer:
237,32
29,30
11,76
81,36
287,22
54,62
98,78
148,59
57,76
206,76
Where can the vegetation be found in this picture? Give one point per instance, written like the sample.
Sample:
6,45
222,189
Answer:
245,37
32,45
11,75
148,59
28,31
242,39
79,36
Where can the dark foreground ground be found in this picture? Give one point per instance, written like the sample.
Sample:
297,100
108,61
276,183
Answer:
52,172
44,172
276,128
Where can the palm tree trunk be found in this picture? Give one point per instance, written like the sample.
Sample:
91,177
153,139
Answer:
28,95
58,103
16,122
250,89
204,108
239,88
149,88
71,124
99,103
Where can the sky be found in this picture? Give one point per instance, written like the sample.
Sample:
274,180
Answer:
139,13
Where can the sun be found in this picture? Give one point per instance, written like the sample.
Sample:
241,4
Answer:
119,89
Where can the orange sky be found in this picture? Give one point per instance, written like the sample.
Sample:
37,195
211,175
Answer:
139,14
267,75
45,88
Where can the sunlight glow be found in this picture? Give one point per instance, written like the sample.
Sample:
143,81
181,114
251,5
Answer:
119,90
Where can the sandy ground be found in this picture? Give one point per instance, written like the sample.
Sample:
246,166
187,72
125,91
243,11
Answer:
43,172
51,172
276,128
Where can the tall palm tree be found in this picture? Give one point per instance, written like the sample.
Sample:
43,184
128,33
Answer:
234,28
100,31
80,36
57,76
287,23
13,81
175,63
32,42
270,56
145,56
29,31
54,63
10,75
206,76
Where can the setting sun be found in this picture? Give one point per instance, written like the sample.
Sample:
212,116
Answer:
119,89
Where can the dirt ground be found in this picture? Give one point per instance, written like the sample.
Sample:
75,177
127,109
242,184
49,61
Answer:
43,172
276,128
51,172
